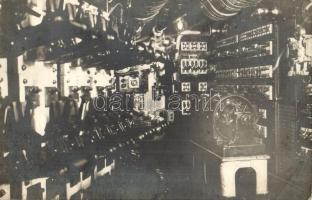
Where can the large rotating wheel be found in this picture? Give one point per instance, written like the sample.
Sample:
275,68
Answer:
234,120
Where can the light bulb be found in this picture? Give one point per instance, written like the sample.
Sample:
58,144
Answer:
140,48
275,11
180,25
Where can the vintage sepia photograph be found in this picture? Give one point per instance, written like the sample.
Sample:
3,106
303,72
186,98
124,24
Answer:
155,99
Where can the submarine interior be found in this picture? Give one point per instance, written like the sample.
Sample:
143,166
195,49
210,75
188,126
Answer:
156,99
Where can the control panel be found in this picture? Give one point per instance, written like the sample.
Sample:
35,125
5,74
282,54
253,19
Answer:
265,71
249,62
254,33
194,66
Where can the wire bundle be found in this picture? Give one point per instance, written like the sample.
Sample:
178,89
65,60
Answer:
221,9
150,9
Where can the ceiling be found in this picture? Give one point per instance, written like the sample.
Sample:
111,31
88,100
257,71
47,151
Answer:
97,30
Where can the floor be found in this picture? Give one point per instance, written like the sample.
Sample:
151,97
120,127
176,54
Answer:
164,170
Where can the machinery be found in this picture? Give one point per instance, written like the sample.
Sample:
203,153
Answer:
234,121
86,86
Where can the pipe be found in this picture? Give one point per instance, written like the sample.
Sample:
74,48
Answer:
182,34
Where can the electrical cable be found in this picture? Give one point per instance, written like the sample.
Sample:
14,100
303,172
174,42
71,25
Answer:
218,11
213,13
221,9
230,7
151,9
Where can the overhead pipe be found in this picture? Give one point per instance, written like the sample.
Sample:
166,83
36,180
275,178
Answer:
184,33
